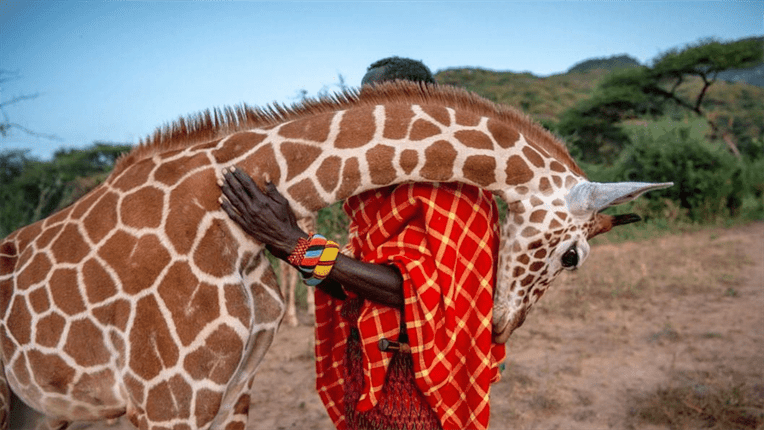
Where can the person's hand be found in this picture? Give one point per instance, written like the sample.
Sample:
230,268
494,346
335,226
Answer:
266,216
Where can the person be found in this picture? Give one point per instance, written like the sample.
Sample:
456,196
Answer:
403,321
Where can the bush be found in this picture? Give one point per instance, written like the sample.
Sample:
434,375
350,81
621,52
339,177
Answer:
709,182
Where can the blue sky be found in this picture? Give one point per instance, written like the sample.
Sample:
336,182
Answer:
115,71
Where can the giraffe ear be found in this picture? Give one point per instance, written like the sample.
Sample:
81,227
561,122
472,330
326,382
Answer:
587,197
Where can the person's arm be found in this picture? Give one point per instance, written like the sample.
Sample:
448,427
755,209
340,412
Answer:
267,217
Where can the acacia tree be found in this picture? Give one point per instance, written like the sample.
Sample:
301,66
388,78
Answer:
650,90
6,125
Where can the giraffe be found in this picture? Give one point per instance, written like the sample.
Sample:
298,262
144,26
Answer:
289,277
143,298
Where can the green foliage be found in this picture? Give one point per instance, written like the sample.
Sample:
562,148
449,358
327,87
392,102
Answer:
593,126
31,189
709,182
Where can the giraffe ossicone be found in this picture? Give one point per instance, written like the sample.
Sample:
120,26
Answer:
143,298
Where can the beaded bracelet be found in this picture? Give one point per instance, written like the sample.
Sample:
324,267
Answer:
314,258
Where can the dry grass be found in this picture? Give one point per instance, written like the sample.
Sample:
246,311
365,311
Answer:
702,401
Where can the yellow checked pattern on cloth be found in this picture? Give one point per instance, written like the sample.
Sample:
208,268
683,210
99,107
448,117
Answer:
444,239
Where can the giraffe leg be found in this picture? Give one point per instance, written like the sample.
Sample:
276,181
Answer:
288,282
268,312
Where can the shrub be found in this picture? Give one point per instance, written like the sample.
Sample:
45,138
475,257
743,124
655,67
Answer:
709,182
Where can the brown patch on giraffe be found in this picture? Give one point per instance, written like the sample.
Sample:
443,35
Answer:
235,426
189,203
480,169
466,118
102,218
96,389
351,179
236,145
554,224
267,307
535,201
561,215
135,389
422,129
170,172
114,314
47,236
137,261
380,162
556,167
529,232
217,359
518,271
357,128
236,303
143,208
152,348
242,405
263,162
408,160
517,171
328,173
207,406
305,193
504,136
85,344
570,181
538,216
193,304
438,113
85,203
64,291
216,253
545,186
70,247
558,202
474,139
537,266
541,253
298,157
397,120
39,301
557,181
169,400
439,161
49,330
20,321
315,128
533,157
98,284
134,176
51,373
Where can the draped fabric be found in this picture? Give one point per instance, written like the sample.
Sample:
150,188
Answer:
443,238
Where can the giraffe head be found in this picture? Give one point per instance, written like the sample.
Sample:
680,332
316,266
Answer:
548,233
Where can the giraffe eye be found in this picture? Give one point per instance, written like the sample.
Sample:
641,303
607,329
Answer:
570,258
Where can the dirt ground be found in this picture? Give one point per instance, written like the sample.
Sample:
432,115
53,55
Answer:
682,312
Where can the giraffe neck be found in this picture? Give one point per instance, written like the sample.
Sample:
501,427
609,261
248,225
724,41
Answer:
321,159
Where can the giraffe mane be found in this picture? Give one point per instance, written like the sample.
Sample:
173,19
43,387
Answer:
217,123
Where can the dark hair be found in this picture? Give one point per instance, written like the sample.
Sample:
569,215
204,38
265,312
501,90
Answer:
392,68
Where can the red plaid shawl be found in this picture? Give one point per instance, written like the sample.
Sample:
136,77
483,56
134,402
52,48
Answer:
443,238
